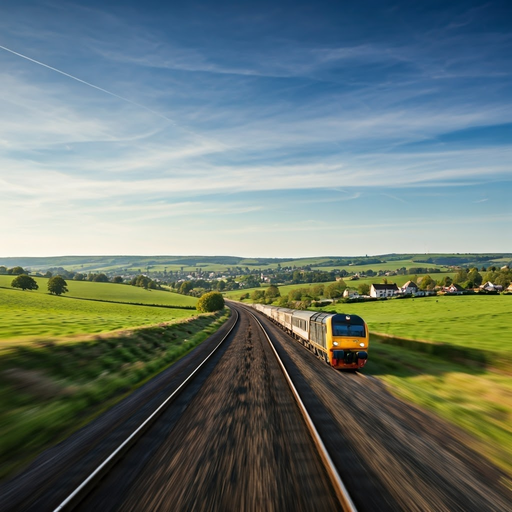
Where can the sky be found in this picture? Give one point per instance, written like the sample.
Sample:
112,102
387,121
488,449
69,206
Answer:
270,129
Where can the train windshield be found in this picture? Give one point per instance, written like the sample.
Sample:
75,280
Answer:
342,329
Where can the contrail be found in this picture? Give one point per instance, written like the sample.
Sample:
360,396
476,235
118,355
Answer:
89,84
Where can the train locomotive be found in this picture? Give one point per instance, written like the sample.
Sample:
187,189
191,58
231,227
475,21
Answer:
340,340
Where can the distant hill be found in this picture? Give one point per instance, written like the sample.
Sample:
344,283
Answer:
131,264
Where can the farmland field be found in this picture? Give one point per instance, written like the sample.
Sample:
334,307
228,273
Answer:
29,314
112,292
473,321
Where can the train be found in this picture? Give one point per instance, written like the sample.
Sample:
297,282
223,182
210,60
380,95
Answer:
341,340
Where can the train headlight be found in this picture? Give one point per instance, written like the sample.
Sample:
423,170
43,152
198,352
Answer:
335,343
361,344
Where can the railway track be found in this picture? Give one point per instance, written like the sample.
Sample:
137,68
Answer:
73,499
90,493
337,483
233,438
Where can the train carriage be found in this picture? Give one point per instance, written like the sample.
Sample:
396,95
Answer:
300,324
284,318
340,339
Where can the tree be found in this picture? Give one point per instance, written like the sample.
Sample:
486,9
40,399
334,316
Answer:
364,289
17,271
335,290
100,278
258,295
475,277
3,270
57,285
24,282
79,277
460,277
211,301
427,283
272,292
117,279
185,287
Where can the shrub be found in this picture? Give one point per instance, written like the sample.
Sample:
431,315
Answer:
212,301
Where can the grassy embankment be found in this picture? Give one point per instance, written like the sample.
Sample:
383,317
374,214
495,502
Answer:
56,374
457,363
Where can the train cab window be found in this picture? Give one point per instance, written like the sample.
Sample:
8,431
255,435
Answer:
347,330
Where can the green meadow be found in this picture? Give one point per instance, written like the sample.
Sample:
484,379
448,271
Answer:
31,314
49,389
478,399
112,292
459,367
480,322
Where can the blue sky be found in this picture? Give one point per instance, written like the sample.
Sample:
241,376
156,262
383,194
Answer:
255,128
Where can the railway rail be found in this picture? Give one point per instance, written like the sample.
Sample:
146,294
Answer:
82,495
336,481
90,481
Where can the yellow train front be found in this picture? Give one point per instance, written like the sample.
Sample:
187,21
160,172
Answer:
343,339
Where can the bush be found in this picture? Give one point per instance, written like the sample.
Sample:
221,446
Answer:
211,301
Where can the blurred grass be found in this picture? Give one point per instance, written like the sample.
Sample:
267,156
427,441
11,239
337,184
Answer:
49,389
475,398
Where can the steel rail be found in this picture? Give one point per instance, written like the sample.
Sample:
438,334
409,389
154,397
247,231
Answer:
79,493
339,486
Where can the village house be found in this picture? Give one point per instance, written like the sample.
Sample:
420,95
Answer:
409,288
455,288
350,294
383,290
490,287
509,289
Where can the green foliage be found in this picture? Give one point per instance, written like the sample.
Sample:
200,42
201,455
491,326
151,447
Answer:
24,282
272,292
335,290
258,296
57,285
46,386
16,271
364,289
117,279
100,278
185,287
427,283
209,302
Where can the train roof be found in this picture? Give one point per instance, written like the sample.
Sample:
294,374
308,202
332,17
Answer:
346,318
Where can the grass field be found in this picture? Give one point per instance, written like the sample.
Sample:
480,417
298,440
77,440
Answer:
112,292
31,314
473,393
474,321
477,399
48,389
